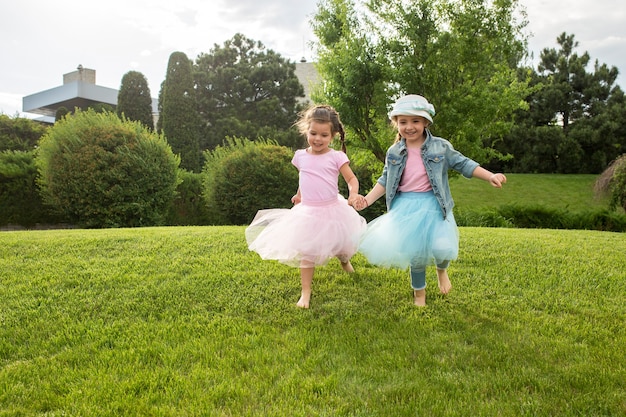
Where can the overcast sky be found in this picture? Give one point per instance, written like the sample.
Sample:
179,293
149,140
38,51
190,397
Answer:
42,40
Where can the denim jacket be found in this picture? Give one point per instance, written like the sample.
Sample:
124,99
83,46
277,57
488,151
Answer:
439,156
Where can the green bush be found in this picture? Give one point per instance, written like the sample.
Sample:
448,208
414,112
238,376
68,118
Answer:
19,134
485,218
99,171
189,207
539,217
243,177
20,202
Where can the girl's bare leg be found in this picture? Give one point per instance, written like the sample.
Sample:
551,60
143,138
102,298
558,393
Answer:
306,280
347,266
444,282
419,297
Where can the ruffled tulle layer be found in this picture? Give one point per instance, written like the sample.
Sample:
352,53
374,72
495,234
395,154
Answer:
307,235
413,232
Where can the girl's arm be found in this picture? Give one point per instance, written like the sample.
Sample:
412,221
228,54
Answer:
351,180
377,192
495,180
296,199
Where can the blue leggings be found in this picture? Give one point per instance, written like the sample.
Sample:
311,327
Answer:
418,274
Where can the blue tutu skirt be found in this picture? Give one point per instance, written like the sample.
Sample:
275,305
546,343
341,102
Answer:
307,235
412,232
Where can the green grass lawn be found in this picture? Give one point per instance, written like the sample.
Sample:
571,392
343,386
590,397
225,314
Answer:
185,321
570,192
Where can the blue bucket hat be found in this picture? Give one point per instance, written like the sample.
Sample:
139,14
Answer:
413,105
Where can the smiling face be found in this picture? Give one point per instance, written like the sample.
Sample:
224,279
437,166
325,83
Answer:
412,128
318,136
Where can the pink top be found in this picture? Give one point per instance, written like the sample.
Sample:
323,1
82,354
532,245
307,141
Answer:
319,175
414,177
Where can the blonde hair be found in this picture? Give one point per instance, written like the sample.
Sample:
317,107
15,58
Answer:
322,114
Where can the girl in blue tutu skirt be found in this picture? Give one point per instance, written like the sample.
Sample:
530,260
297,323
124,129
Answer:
419,228
321,225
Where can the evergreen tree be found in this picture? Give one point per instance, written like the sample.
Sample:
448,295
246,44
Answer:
247,91
179,117
576,121
61,113
133,100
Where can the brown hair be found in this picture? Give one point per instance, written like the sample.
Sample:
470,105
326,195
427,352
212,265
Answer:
322,114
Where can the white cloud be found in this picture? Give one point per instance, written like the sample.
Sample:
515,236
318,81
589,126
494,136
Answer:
43,40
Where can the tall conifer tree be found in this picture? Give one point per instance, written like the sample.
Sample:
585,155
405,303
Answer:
133,99
179,119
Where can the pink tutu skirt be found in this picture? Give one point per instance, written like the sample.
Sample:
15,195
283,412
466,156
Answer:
307,235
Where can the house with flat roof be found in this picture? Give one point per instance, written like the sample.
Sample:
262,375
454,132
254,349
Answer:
79,89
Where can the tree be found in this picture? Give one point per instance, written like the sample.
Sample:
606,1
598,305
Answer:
133,100
576,121
587,106
246,90
61,113
179,113
461,55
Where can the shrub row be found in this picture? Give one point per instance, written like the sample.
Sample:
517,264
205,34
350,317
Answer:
540,217
99,171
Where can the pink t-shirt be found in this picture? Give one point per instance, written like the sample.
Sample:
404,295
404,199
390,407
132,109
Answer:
319,175
414,177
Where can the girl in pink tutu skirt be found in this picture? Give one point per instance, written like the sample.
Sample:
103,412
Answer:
321,225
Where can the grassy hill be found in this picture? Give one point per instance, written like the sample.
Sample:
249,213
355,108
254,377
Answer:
570,192
185,321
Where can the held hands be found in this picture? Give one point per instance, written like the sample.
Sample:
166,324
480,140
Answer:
497,180
358,202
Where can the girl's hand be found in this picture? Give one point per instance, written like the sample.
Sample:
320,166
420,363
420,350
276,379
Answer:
296,199
358,202
497,180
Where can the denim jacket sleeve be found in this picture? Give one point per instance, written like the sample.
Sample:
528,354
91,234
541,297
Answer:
439,157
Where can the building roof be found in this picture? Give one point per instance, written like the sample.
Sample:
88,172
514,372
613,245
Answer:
74,94
79,89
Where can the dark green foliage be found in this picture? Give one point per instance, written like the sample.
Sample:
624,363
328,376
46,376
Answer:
99,171
534,216
541,217
243,177
102,108
178,116
246,90
133,100
189,207
483,218
19,134
20,202
576,122
61,113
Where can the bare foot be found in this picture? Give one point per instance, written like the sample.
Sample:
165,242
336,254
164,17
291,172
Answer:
444,282
304,300
347,266
419,297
